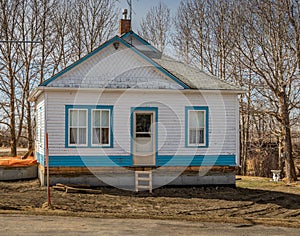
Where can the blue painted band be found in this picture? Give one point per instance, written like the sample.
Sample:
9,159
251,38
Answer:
197,160
122,161
89,161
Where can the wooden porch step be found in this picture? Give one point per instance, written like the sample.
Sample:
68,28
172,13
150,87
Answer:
145,176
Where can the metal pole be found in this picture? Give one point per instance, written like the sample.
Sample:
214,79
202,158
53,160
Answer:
47,166
129,2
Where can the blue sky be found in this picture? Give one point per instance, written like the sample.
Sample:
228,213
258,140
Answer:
141,7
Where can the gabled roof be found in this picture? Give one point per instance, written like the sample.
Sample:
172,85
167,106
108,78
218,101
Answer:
65,70
191,76
186,76
105,45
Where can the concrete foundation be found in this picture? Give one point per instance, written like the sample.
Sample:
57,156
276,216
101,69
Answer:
126,179
18,172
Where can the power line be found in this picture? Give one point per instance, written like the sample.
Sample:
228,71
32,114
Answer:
19,41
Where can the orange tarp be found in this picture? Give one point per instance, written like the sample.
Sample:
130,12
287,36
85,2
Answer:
16,161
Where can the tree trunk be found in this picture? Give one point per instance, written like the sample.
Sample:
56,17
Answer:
243,145
29,126
288,147
281,152
13,139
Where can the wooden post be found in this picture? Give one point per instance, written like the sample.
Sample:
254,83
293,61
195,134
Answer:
47,166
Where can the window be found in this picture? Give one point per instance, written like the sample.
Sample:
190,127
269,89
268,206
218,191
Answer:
78,127
196,126
89,126
101,127
143,125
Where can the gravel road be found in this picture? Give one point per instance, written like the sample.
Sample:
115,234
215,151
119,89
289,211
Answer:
57,225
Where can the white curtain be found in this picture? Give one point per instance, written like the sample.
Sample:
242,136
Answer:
196,127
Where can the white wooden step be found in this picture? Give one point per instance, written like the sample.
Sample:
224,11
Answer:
145,176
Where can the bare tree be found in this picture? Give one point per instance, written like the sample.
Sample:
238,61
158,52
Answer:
254,44
62,44
91,23
31,17
293,12
182,37
155,26
36,41
222,27
266,47
9,10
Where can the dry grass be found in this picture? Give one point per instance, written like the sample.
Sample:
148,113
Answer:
252,182
254,201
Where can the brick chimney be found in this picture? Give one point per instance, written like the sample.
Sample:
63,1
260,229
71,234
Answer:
125,24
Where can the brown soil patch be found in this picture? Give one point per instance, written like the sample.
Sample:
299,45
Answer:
255,200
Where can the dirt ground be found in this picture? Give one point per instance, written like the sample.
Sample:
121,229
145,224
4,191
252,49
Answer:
254,201
37,225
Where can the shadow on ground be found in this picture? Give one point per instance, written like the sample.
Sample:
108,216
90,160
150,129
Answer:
282,199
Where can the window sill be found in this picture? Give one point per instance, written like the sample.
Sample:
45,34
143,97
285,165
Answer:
197,146
89,146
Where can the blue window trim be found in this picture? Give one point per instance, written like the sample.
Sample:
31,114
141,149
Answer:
141,109
89,108
196,108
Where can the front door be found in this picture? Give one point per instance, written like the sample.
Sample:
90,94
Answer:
144,138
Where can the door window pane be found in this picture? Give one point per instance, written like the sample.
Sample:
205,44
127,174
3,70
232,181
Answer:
143,122
143,125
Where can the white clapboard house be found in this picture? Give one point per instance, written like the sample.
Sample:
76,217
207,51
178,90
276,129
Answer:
125,107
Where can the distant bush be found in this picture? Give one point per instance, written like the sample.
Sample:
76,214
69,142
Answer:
262,160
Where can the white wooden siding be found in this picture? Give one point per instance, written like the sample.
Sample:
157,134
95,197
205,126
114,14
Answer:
40,108
223,131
